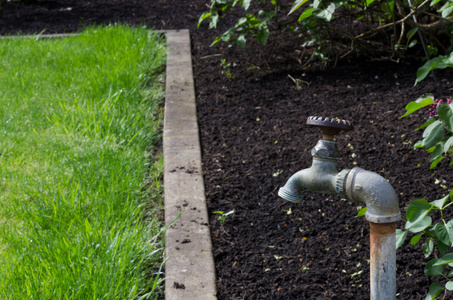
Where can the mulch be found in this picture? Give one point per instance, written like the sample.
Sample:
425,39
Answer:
252,117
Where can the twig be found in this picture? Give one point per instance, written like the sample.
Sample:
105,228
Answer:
208,56
390,24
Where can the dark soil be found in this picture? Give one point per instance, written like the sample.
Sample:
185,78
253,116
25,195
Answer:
254,138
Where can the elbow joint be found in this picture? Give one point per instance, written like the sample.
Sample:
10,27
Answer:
375,191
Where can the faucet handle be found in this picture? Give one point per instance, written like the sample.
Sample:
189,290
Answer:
330,127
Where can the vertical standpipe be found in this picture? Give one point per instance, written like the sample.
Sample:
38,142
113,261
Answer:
382,261
361,186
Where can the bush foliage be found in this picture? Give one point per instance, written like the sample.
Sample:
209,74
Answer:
338,28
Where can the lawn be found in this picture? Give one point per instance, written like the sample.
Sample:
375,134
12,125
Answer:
79,179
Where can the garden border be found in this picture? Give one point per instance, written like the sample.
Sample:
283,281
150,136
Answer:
189,267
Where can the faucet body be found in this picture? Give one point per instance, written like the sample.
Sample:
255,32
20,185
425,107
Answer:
358,186
320,177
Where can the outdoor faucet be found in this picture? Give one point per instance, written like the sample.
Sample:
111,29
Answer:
358,186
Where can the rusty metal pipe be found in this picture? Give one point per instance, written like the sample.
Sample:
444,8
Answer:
382,261
382,213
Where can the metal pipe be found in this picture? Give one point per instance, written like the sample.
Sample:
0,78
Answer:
376,192
357,185
382,213
382,261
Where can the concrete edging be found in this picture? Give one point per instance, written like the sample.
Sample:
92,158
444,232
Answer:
189,266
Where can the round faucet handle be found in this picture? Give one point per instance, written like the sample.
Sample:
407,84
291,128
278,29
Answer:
330,127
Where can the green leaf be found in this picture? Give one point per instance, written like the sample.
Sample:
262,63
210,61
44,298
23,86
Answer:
421,102
449,227
263,35
428,247
296,5
446,9
434,2
412,44
411,33
424,70
415,239
240,22
246,4
203,17
229,213
426,124
449,285
416,214
362,212
216,40
433,134
400,237
417,208
316,3
226,36
436,162
388,7
448,144
326,14
430,150
419,224
445,112
442,234
440,62
438,151
432,269
442,247
434,290
307,13
446,259
439,204
447,12
418,144
241,41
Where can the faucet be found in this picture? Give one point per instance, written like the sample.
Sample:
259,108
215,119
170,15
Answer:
358,186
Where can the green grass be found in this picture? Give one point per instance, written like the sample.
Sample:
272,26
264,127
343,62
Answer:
78,182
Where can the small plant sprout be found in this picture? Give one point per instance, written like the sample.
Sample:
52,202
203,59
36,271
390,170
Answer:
298,82
277,173
223,216
226,68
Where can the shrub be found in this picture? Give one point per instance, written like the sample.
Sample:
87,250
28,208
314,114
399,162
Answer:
338,28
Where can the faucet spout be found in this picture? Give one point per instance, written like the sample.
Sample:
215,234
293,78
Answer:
320,178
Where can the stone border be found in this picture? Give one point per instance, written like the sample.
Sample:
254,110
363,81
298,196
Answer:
189,267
